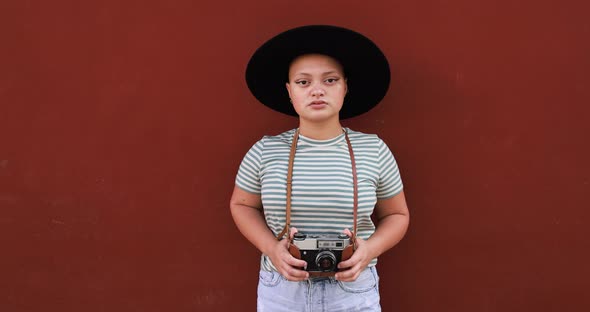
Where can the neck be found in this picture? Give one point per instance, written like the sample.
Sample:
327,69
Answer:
320,131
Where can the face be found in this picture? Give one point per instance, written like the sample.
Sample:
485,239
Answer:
317,87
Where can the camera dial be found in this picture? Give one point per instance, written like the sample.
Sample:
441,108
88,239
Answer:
326,261
343,236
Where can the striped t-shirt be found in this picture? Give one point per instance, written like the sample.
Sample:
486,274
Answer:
322,189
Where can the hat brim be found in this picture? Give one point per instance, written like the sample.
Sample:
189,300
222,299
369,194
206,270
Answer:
366,67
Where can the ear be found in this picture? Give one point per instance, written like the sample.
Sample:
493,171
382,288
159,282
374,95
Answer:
288,86
345,86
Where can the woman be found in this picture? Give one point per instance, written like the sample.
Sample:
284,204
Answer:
321,74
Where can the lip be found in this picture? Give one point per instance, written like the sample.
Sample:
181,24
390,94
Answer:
318,103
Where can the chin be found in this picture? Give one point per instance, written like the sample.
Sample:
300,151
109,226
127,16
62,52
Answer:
319,116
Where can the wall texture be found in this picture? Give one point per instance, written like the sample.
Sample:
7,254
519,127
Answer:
122,124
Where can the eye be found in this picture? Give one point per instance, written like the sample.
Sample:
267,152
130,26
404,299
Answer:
302,82
331,80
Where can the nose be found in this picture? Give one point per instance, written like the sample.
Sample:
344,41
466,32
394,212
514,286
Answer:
318,91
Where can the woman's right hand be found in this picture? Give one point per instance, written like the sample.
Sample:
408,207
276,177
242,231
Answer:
285,263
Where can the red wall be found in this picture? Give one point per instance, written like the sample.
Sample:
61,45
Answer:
122,124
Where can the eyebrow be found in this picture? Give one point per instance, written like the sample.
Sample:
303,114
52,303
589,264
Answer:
323,74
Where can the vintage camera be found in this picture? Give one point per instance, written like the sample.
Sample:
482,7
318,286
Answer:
321,252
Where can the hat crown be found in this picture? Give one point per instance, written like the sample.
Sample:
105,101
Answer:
365,65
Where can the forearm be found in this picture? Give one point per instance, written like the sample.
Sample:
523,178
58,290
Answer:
390,231
250,221
246,209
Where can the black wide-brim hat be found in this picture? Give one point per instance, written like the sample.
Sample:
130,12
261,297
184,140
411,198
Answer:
365,67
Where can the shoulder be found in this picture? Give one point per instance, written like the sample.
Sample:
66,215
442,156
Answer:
271,142
364,139
285,137
279,140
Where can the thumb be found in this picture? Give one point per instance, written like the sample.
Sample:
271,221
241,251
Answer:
347,232
292,232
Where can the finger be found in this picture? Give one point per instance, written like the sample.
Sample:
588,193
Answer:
292,232
284,243
349,275
344,265
347,232
294,268
288,258
294,274
294,262
354,259
344,276
347,264
359,241
348,278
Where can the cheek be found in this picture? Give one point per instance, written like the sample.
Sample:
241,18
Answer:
297,101
297,96
342,92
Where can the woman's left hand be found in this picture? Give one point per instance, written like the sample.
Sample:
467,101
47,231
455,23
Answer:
352,268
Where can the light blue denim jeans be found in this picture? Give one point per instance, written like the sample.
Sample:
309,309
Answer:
276,294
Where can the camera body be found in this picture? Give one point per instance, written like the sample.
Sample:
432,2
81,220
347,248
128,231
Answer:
322,252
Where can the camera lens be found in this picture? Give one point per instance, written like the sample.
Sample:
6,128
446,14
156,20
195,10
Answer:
326,261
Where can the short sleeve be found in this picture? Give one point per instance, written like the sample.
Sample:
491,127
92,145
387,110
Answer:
390,182
248,177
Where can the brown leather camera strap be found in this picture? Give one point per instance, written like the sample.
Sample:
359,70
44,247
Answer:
290,184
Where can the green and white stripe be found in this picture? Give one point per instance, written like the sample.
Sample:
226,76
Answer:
322,192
